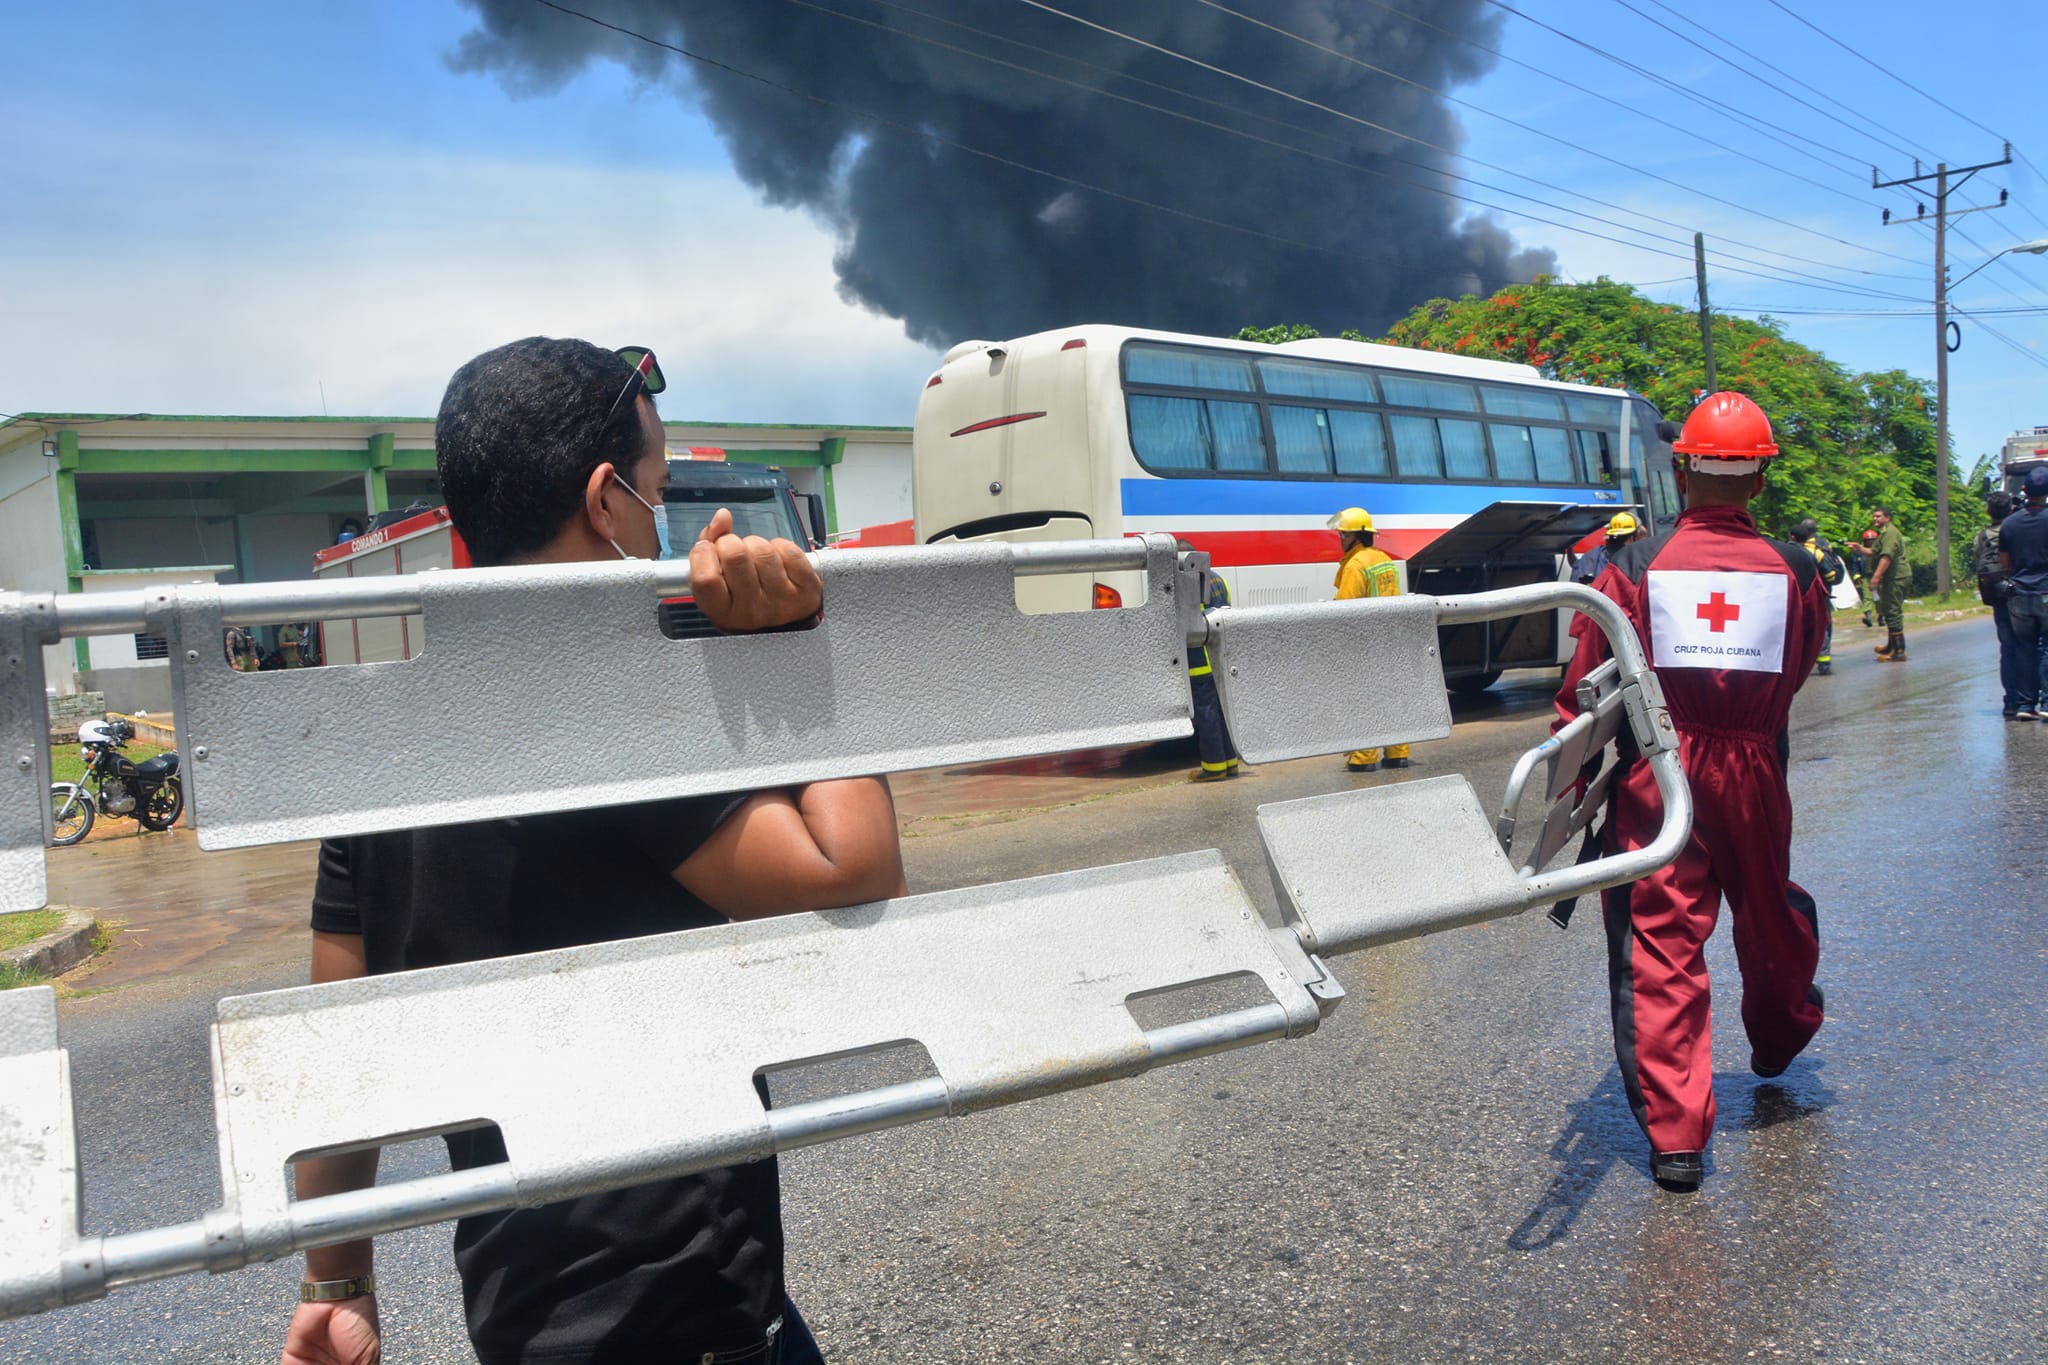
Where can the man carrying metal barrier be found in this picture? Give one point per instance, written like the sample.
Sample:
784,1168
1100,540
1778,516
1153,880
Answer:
1732,623
614,1065
550,451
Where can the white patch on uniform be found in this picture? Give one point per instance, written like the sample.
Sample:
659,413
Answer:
1717,620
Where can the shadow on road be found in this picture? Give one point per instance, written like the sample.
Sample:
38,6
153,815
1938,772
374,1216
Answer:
1599,1134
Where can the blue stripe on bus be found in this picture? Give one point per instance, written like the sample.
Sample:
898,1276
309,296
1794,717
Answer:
1297,497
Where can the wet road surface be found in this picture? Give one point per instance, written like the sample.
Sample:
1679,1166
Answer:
1446,1171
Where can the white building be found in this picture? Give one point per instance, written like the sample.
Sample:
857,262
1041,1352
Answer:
92,502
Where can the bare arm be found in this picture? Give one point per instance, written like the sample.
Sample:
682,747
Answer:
345,1332
807,848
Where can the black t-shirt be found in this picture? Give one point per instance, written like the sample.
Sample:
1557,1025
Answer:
687,1264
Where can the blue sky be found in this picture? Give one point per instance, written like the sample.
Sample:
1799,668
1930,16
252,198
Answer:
234,207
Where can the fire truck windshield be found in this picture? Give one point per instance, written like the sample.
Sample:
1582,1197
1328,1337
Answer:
756,511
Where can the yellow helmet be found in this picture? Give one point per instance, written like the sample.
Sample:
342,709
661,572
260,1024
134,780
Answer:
1622,524
1351,519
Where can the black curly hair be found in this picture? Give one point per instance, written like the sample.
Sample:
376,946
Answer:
520,429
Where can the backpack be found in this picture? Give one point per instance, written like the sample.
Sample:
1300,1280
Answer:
1832,569
1987,553
1994,585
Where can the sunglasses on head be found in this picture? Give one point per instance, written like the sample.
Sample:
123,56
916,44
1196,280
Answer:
645,378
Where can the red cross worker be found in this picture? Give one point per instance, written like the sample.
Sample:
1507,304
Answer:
1732,623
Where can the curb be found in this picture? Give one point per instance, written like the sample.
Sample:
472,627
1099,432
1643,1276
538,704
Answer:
58,951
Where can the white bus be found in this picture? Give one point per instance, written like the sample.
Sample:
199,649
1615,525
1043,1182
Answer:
1478,473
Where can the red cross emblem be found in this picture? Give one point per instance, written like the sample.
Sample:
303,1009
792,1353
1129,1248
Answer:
1717,611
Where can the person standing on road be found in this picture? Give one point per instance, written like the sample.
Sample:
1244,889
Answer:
1994,588
290,646
1621,529
2023,552
1859,566
550,451
1806,535
1363,571
1889,573
1732,624
1213,746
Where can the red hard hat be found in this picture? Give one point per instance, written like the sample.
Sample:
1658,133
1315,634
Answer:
1726,426
1870,535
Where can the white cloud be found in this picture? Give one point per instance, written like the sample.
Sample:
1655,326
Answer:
377,276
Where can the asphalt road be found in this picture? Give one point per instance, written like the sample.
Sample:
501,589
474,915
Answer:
1445,1171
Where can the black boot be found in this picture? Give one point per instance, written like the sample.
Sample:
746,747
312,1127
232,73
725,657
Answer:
1897,653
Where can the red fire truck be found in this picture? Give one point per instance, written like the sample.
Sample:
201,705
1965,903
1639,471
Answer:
760,496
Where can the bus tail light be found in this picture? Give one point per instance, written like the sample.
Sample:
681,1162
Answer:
1107,597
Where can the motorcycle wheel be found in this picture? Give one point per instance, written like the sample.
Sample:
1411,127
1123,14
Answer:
162,807
71,814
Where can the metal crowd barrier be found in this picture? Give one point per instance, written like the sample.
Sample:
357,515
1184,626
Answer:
617,1063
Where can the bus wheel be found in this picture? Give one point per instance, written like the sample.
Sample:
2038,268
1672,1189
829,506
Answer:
1472,684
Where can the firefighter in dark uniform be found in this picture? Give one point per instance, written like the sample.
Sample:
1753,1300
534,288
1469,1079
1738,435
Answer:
1212,732
1732,623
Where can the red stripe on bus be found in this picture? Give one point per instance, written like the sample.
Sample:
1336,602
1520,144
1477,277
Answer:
1236,549
999,422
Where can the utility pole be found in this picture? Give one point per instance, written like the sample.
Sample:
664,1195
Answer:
1943,184
1699,265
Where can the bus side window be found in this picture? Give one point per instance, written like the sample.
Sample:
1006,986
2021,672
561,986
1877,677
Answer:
1301,440
1665,493
1514,452
1464,446
1415,450
1360,440
1167,433
1236,436
1553,454
1594,455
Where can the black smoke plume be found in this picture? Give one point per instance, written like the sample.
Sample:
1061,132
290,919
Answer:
958,244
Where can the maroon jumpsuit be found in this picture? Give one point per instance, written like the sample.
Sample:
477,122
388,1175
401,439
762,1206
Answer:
1732,623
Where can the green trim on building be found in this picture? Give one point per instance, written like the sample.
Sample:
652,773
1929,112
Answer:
38,418
381,459
831,451
71,530
221,461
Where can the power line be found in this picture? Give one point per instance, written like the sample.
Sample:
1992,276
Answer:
2001,260
1693,42
1577,147
1752,121
1628,108
2018,347
1800,310
1893,74
1788,276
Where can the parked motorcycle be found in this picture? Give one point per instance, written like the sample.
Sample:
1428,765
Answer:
149,791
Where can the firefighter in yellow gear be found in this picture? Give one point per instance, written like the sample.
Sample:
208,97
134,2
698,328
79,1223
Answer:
1363,571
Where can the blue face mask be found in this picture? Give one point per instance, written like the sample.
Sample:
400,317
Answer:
660,522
